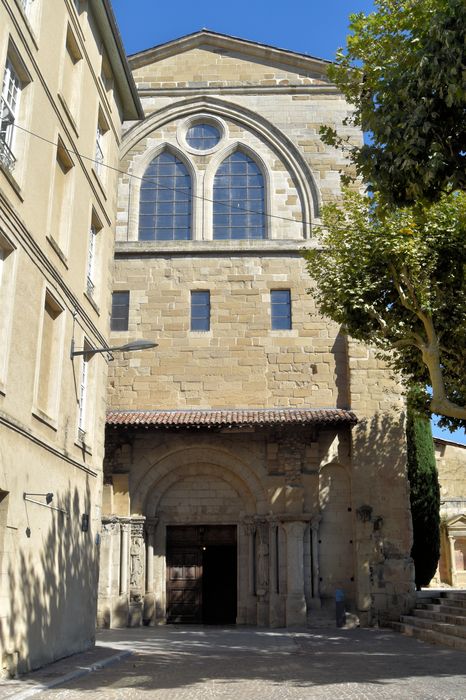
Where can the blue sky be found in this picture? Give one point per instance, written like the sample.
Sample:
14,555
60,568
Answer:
315,27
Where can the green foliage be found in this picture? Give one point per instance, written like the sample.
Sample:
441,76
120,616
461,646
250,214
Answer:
395,278
425,497
404,71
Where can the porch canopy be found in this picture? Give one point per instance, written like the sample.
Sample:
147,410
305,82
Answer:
234,418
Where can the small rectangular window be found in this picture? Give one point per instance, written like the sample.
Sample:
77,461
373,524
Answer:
200,311
120,311
280,302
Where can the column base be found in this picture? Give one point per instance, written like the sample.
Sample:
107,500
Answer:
135,614
296,613
148,613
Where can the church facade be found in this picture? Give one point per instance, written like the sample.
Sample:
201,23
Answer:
255,460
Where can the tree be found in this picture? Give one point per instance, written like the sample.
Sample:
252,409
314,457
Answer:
424,496
404,72
396,279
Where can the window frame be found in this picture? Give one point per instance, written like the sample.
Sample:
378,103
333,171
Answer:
8,261
47,373
226,208
14,65
114,317
200,311
160,207
276,319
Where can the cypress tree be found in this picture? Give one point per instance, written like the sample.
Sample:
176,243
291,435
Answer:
424,496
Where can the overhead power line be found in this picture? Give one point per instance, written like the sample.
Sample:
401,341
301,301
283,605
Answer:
143,178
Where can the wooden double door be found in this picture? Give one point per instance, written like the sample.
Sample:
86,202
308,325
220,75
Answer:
201,574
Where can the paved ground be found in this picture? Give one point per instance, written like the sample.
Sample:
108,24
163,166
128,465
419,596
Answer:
194,663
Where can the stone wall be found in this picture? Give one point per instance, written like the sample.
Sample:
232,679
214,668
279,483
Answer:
240,361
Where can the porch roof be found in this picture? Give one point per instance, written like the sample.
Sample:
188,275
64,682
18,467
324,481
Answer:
232,418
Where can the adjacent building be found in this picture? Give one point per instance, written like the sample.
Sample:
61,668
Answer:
66,88
451,464
255,461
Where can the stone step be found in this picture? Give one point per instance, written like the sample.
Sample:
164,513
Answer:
445,609
428,635
443,627
459,595
454,602
437,616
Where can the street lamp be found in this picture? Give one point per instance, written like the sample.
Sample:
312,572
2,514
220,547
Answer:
129,347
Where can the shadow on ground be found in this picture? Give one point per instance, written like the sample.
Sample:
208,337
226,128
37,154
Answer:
169,658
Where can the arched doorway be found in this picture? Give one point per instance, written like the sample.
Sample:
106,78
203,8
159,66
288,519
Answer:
201,546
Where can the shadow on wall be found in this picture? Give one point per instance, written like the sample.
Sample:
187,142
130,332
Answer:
340,353
383,517
52,581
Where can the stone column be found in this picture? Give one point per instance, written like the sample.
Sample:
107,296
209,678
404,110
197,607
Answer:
247,608
262,571
149,598
315,524
276,612
295,598
136,572
452,542
109,584
124,555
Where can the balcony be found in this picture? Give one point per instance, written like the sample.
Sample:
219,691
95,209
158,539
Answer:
7,159
90,287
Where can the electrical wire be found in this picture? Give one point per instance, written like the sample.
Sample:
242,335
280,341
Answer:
166,187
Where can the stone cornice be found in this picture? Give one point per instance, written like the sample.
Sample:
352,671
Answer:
241,90
127,249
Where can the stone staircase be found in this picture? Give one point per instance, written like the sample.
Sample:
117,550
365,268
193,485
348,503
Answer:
439,617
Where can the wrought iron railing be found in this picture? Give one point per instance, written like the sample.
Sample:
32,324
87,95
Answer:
7,158
90,287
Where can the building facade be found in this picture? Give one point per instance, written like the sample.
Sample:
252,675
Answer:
66,88
255,461
451,464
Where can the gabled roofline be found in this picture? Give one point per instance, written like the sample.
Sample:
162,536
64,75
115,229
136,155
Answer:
207,36
111,37
442,441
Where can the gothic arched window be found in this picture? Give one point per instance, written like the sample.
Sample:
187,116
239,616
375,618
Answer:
165,200
238,199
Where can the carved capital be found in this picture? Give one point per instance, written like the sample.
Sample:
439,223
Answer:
249,525
151,524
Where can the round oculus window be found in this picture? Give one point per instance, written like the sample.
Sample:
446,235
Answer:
202,137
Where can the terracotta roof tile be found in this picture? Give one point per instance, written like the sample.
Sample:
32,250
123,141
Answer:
243,417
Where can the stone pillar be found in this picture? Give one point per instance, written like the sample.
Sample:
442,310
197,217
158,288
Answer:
276,616
295,598
262,572
247,608
149,598
136,573
452,542
109,584
315,524
124,555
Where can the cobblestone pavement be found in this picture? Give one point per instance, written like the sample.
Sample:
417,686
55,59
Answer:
194,663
